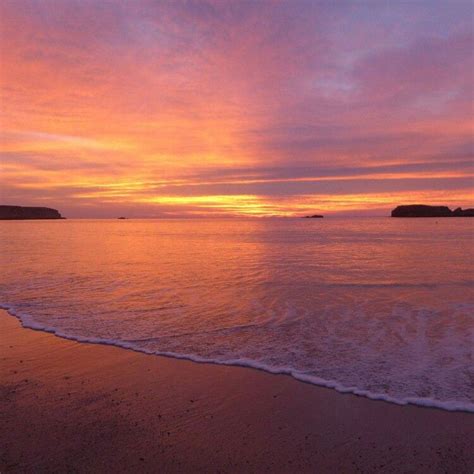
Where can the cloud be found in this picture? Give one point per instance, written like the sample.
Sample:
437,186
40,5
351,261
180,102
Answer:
107,101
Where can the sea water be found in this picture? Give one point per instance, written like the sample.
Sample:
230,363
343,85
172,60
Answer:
379,307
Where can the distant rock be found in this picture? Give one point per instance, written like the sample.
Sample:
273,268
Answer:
121,218
421,210
19,213
463,212
315,216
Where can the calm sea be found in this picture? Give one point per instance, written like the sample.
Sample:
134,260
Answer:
376,306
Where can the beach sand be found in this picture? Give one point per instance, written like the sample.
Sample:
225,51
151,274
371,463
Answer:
76,407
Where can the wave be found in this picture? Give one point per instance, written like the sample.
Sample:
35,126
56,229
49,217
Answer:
28,321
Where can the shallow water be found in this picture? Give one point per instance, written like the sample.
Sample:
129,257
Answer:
376,306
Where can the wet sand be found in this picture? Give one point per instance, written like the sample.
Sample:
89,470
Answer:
76,407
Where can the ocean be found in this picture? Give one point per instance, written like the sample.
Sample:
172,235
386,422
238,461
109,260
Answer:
379,307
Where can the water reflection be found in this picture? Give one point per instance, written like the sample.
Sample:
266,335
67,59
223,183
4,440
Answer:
379,305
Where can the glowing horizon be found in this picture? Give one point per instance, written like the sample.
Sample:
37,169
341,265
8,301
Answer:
207,108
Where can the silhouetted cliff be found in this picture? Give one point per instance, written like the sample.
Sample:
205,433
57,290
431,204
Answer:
421,210
463,212
19,212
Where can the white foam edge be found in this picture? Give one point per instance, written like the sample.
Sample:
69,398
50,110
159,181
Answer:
27,321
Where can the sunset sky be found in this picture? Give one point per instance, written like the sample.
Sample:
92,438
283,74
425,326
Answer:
193,108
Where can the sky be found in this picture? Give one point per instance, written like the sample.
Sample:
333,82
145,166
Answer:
236,108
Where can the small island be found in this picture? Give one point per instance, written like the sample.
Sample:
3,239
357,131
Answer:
422,210
22,213
315,216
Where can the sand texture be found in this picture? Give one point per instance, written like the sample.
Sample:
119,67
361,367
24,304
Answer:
75,407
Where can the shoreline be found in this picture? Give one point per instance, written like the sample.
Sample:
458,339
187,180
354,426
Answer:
27,322
93,407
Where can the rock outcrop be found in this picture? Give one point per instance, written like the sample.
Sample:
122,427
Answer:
463,212
19,213
315,216
421,210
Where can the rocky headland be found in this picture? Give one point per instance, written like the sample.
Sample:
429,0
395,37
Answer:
422,210
20,213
